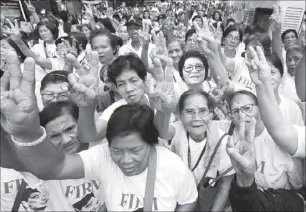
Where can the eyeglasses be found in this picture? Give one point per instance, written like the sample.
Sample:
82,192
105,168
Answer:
245,109
189,68
59,97
191,113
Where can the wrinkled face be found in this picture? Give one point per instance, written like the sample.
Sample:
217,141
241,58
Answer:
232,40
193,71
101,44
133,31
191,43
195,115
86,31
5,47
275,77
289,39
175,51
130,86
45,33
130,153
243,108
53,92
292,60
62,132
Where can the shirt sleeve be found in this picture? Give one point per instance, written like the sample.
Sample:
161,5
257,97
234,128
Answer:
93,159
187,192
300,152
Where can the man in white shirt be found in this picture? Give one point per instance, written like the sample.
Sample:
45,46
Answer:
134,26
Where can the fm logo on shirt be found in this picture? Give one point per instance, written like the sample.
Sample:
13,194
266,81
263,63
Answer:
131,201
81,190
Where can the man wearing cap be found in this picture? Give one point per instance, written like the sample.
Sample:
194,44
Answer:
134,27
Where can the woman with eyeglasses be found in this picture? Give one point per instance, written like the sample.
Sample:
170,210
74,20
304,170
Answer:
194,137
275,168
193,69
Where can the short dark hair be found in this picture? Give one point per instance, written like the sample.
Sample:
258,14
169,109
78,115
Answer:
189,33
123,62
133,118
233,28
103,32
295,47
192,92
243,92
230,20
214,13
107,24
57,109
262,39
54,77
51,26
81,38
12,43
288,31
190,54
195,17
276,62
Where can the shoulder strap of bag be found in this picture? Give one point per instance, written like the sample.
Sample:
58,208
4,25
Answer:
150,184
19,196
221,175
199,159
230,132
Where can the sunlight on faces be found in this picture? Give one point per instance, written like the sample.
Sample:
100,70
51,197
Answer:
243,100
45,33
130,152
53,92
130,86
292,60
232,40
62,132
101,44
195,76
175,51
195,115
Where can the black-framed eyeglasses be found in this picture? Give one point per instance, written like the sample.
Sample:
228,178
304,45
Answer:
189,68
59,97
245,109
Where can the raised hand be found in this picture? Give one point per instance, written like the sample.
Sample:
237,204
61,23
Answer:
30,6
220,94
88,10
206,40
276,18
145,33
259,68
14,31
242,152
161,88
85,87
19,110
160,42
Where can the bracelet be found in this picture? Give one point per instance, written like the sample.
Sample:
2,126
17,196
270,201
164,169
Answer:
34,143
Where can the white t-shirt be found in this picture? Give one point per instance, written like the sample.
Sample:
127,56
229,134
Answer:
275,168
179,145
39,49
11,181
128,48
241,74
174,182
291,111
287,87
109,111
301,150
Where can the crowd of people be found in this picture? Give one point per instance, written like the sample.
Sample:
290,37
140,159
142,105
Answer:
168,107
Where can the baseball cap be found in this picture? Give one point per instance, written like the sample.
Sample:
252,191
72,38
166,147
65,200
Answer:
134,20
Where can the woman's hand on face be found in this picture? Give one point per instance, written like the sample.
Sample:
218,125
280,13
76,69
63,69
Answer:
85,87
242,152
19,110
161,88
259,68
276,18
